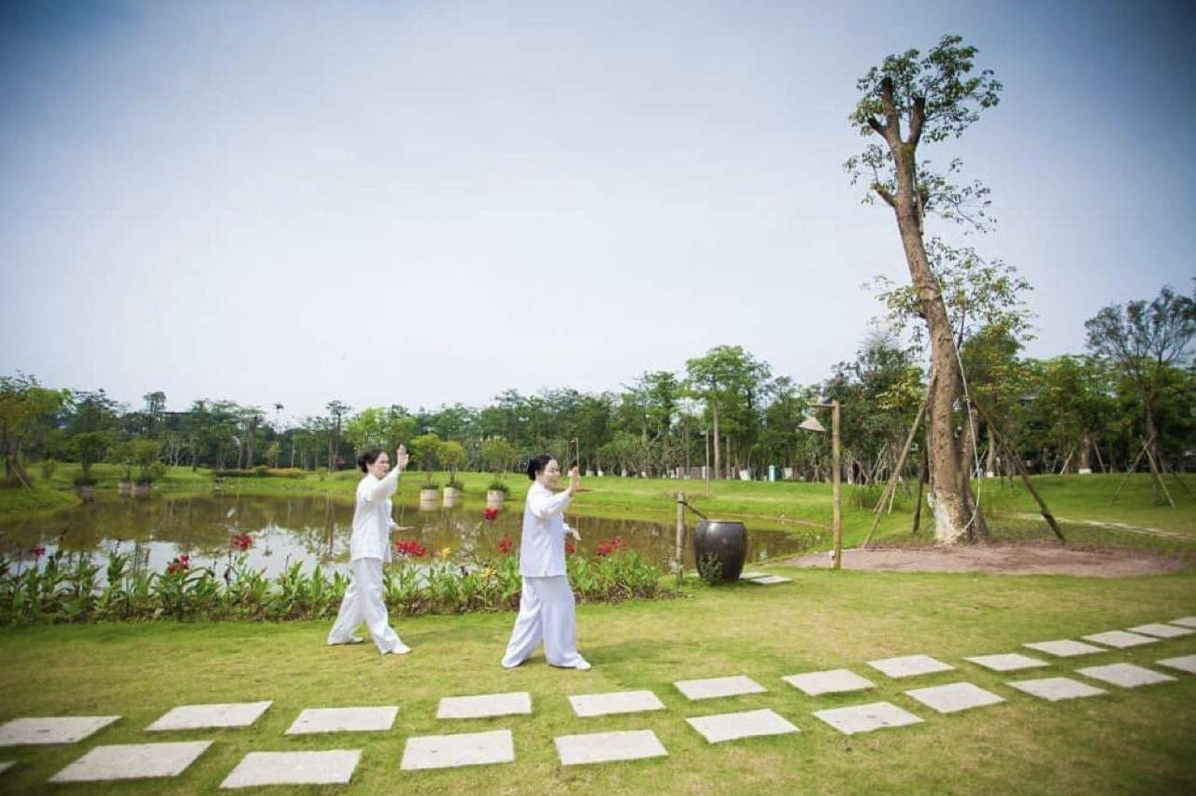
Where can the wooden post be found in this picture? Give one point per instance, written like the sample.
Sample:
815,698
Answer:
836,516
680,537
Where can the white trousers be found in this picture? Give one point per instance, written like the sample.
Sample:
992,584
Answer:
364,602
546,613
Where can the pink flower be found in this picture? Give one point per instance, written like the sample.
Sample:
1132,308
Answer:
505,545
38,550
242,542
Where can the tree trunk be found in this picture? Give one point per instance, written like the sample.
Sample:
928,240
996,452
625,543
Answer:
717,459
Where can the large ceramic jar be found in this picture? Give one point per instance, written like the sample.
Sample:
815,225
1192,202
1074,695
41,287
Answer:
724,541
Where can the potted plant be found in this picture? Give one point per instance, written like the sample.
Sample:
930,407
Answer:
90,445
146,451
497,492
123,455
452,492
429,490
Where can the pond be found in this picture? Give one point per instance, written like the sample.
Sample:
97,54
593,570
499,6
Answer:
316,529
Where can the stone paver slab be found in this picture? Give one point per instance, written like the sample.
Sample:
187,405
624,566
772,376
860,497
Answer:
461,749
484,705
1121,639
1126,675
1184,621
866,718
132,761
1187,663
605,747
770,580
910,666
1161,630
1009,662
834,681
954,697
586,705
752,575
331,767
314,720
203,717
747,724
1054,689
6,765
1065,648
51,729
713,687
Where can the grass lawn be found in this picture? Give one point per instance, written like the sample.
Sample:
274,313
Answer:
1125,742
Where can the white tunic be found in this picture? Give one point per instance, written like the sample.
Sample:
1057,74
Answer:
542,548
371,520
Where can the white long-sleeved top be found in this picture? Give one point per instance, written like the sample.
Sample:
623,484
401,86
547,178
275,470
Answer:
542,548
371,519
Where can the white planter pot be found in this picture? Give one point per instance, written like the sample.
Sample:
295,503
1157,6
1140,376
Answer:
495,498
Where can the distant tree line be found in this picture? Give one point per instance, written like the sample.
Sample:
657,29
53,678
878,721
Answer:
1134,389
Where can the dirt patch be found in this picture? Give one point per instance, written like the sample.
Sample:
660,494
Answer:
1002,559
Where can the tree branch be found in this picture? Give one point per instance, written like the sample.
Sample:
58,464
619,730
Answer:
916,118
883,193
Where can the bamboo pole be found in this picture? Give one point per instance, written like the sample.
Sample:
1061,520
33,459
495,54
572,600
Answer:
680,537
891,487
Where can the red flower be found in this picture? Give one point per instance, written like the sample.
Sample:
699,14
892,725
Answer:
410,548
490,513
609,546
570,548
38,550
242,542
179,564
504,545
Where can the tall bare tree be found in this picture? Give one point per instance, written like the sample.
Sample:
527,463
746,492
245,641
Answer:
913,101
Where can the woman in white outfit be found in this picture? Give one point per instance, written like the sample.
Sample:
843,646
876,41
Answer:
369,547
546,606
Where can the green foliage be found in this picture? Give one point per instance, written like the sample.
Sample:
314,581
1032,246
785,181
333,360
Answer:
710,569
47,467
67,588
499,485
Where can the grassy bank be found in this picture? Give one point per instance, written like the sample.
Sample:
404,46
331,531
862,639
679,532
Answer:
1125,742
785,505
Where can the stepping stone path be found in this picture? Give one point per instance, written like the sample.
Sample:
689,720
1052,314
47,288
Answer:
834,681
132,761
333,767
203,717
769,580
1126,675
1162,631
484,705
866,718
462,749
604,747
1185,664
149,760
1054,689
1121,639
51,730
586,705
1010,662
1064,648
748,724
713,687
313,720
954,697
752,575
909,666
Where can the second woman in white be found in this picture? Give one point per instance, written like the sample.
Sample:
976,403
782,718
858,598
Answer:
546,606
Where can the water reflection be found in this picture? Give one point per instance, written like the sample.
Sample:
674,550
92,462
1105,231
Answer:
314,529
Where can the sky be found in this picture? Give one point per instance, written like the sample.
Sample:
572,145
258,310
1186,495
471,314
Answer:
423,203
